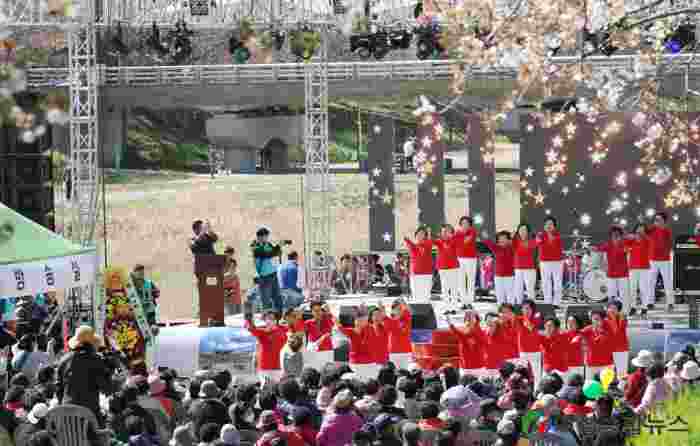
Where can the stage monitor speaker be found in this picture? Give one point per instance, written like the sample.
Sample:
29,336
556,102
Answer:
423,316
25,186
686,265
582,312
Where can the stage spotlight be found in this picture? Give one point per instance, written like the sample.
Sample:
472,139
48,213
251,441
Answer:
239,53
680,39
118,41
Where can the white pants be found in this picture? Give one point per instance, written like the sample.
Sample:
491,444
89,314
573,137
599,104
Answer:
271,376
576,371
504,289
471,372
621,360
666,271
618,290
639,280
524,279
318,359
421,287
401,360
366,371
535,360
591,371
467,279
449,284
552,281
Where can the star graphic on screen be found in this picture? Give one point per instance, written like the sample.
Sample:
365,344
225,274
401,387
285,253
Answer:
426,141
377,171
375,192
371,184
434,190
565,190
377,130
529,171
585,244
387,237
386,198
539,198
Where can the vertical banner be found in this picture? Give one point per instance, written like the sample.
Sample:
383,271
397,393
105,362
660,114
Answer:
380,148
482,192
429,160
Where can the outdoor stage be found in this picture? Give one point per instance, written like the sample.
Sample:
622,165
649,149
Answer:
187,348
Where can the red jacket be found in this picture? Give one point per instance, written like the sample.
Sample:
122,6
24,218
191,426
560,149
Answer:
466,243
617,258
504,258
529,338
510,329
379,343
471,355
447,253
554,352
639,253
314,332
399,330
660,241
496,348
574,350
524,253
598,347
635,387
617,330
549,246
270,345
421,255
360,347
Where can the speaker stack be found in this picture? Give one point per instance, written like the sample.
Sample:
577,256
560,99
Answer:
25,177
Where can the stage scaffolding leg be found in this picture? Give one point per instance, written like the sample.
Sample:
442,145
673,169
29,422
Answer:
317,212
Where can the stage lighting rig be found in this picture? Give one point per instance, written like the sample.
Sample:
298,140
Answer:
369,44
180,42
682,38
428,41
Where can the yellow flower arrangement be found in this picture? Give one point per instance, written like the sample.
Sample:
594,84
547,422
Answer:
126,336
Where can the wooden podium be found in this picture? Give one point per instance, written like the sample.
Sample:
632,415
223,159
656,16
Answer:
209,270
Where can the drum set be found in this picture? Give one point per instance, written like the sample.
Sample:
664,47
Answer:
584,272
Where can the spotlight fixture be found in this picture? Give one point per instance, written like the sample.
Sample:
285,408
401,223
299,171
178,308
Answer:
118,41
239,53
680,39
154,41
428,41
366,45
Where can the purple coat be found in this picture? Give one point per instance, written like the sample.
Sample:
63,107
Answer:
337,429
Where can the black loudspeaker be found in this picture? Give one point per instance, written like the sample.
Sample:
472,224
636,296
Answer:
423,317
686,264
582,312
26,187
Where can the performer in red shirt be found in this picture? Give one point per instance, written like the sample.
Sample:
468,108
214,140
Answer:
466,254
554,348
496,345
524,263
319,330
509,325
398,326
618,274
502,250
660,245
471,342
598,345
448,265
574,349
617,328
529,338
637,382
421,253
361,356
271,340
637,245
551,265
379,335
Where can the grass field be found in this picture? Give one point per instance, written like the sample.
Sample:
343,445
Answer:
149,220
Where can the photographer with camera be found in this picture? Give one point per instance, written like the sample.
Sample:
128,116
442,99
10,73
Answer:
204,239
266,256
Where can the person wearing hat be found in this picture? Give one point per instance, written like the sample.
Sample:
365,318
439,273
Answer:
340,424
271,339
657,390
673,371
266,257
690,373
182,436
268,427
35,422
230,435
385,428
362,358
398,326
637,381
82,374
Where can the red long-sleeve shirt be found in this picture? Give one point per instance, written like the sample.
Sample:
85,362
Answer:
574,350
635,387
510,329
314,330
447,253
379,343
466,243
617,331
660,241
598,347
421,255
270,343
554,352
471,355
638,253
360,347
549,246
617,258
497,348
524,253
504,258
399,330
528,338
